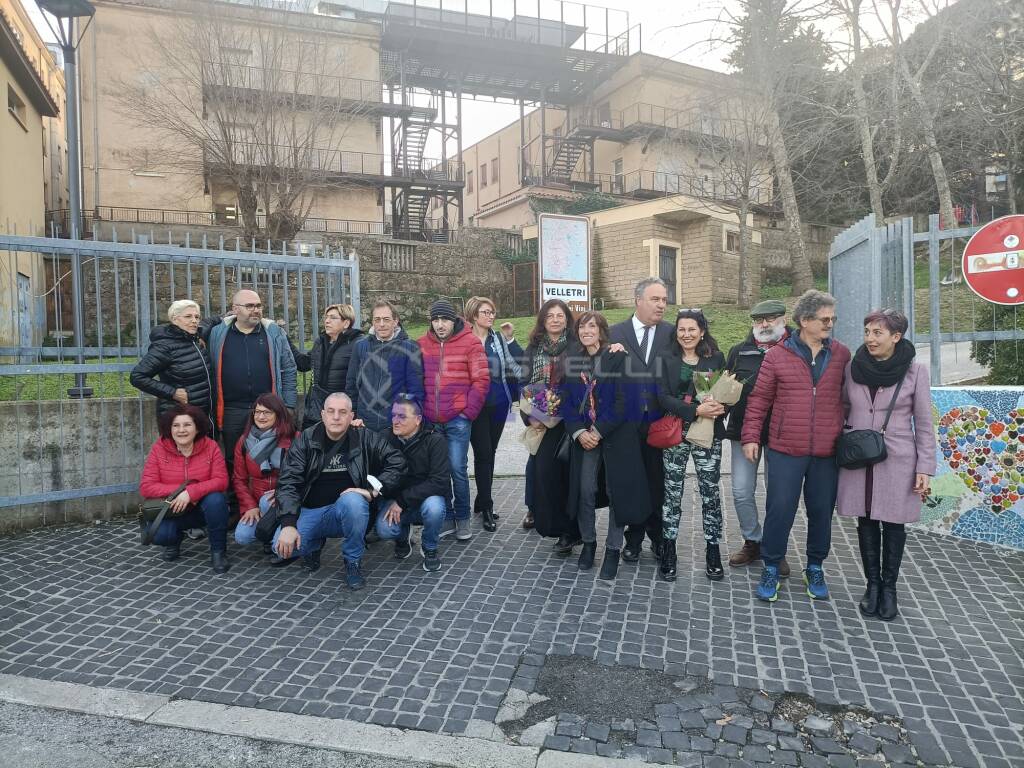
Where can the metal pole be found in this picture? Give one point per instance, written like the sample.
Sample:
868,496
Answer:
935,326
80,390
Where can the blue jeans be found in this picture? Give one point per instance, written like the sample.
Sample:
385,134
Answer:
457,432
210,511
245,533
744,485
345,519
430,515
785,477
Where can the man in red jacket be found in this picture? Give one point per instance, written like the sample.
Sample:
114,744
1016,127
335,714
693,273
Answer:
455,382
800,383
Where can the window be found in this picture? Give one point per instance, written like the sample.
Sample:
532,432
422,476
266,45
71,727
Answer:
225,214
469,183
16,106
483,175
494,171
617,177
235,55
732,241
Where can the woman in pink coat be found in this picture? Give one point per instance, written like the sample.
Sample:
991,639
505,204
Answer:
890,492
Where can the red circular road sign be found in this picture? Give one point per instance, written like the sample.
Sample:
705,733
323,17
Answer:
993,262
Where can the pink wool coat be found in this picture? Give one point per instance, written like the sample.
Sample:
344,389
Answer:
909,443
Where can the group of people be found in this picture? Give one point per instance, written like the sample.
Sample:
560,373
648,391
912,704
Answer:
388,422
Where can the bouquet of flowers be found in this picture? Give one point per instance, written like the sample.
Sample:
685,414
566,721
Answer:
541,403
720,386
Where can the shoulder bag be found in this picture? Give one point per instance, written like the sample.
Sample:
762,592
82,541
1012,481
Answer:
669,430
153,511
861,448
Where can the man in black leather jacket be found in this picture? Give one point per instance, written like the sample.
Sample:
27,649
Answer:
326,487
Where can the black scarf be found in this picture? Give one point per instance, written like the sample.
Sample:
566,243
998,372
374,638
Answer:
870,372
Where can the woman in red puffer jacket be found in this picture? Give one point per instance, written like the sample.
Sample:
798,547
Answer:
259,455
185,454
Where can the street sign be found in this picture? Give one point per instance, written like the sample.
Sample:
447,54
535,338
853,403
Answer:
565,260
993,263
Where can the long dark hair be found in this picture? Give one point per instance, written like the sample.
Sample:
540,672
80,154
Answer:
283,427
707,345
539,332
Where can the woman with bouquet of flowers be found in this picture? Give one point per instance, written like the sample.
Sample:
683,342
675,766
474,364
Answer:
694,354
540,408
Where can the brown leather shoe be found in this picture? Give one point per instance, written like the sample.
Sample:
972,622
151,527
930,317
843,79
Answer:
748,553
528,521
783,568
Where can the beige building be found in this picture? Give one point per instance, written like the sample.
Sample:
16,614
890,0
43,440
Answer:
182,101
32,86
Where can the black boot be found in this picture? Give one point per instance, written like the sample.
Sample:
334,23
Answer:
487,515
171,552
893,541
610,566
668,560
713,563
219,561
869,537
563,547
586,561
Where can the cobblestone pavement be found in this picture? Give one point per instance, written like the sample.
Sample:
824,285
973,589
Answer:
439,652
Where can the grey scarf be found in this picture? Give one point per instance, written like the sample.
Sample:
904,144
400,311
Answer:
262,447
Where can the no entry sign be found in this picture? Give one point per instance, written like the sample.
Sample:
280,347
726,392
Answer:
994,261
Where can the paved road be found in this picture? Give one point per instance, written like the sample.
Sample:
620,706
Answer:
32,737
440,652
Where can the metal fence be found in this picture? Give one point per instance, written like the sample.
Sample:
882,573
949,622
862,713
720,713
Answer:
61,451
919,273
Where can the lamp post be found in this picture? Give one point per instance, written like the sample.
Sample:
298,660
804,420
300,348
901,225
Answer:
65,15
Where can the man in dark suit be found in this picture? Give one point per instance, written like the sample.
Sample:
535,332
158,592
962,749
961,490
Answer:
646,337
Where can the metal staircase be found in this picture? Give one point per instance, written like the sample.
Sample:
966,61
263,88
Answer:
566,156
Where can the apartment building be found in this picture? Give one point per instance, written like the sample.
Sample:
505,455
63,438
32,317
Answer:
32,86
197,112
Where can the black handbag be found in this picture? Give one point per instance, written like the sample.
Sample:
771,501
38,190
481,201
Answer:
562,449
861,448
267,524
153,511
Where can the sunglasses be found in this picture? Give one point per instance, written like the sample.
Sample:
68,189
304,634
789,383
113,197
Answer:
695,310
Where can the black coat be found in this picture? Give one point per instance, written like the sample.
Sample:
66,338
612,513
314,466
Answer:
368,454
175,360
427,473
671,394
329,363
623,463
642,378
745,360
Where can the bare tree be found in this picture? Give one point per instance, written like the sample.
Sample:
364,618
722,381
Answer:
255,98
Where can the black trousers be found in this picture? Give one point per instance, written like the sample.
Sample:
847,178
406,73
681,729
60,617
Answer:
236,418
654,469
484,437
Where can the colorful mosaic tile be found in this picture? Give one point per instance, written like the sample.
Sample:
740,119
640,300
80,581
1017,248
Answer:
978,491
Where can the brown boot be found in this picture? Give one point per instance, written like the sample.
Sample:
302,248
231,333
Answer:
748,553
783,568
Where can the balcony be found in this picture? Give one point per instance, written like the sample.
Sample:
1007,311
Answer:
641,119
327,166
310,90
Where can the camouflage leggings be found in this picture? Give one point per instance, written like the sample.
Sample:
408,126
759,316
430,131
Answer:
708,463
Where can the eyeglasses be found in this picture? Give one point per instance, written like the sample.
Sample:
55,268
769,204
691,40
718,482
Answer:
250,307
826,320
488,312
697,310
262,413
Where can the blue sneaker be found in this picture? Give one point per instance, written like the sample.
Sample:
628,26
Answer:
814,578
768,588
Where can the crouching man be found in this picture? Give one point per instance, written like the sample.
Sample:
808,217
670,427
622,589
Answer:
421,500
324,490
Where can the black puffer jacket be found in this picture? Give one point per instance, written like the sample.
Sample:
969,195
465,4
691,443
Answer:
368,454
175,360
329,363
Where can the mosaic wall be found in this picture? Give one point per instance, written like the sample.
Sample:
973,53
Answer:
978,490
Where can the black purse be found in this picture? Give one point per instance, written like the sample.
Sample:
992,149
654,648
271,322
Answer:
266,527
861,448
153,512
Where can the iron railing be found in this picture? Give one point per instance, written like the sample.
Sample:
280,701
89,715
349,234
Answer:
246,77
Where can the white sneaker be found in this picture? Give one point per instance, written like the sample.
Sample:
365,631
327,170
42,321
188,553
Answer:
195,533
462,530
447,528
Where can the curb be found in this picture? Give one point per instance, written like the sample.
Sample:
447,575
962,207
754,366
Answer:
285,728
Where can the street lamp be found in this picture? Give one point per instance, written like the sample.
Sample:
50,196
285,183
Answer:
65,14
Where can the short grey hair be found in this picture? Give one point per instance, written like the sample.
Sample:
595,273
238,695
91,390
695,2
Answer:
179,306
809,303
337,395
643,285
